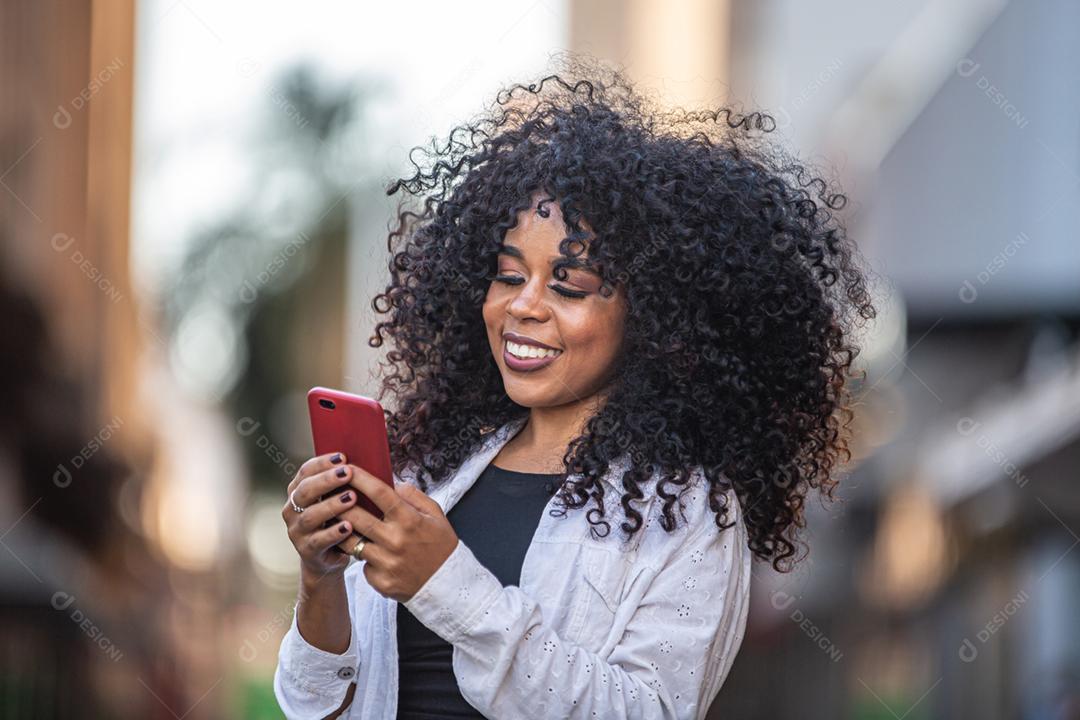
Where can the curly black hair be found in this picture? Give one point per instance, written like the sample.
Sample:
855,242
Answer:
742,294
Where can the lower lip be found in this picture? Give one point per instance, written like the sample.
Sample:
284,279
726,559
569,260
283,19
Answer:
529,365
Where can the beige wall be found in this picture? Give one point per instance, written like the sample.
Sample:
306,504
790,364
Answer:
678,49
65,165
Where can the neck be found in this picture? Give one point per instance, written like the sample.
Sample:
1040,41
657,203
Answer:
549,430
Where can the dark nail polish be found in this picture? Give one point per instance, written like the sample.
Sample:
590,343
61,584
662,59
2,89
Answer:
343,529
346,497
341,472
335,458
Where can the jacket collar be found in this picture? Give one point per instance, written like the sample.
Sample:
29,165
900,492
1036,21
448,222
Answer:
501,436
494,440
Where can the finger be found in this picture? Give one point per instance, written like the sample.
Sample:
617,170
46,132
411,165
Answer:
377,491
418,499
315,465
370,553
322,540
366,524
315,516
312,488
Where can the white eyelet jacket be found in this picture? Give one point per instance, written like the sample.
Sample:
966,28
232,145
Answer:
598,628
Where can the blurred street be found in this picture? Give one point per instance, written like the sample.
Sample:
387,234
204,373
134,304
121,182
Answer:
192,193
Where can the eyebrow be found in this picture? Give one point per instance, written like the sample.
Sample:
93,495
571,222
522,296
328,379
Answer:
561,260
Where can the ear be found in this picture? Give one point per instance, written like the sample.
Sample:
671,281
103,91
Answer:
418,499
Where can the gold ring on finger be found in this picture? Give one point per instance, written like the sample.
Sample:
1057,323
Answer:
357,549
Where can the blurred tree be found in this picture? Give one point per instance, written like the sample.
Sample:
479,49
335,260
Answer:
272,273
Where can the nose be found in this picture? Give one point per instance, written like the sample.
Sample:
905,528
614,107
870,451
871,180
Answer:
529,301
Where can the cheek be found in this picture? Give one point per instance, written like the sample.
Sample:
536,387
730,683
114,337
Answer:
596,334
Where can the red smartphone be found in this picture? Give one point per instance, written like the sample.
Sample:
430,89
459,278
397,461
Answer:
356,426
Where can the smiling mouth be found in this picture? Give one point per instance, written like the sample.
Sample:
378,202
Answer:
526,358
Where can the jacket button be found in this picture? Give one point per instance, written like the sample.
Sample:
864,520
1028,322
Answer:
346,673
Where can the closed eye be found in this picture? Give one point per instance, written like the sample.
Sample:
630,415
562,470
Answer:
567,292
563,291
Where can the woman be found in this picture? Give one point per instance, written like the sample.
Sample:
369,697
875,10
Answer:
600,305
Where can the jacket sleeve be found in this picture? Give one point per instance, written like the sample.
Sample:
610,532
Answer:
675,653
310,682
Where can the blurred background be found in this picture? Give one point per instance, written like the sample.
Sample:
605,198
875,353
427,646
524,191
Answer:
193,224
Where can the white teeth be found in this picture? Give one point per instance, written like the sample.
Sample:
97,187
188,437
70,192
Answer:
526,352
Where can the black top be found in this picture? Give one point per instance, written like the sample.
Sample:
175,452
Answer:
497,518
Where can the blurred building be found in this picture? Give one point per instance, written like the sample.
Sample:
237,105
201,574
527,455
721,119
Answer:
149,424
945,582
81,590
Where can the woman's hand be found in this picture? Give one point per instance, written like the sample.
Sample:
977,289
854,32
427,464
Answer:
408,545
316,544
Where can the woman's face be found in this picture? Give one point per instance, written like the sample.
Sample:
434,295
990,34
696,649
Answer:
530,305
